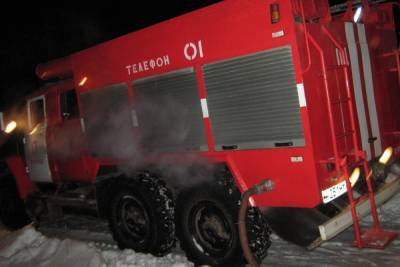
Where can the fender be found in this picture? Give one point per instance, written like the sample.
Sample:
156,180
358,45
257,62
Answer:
16,165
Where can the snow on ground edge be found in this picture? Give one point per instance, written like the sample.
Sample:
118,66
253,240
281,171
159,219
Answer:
27,247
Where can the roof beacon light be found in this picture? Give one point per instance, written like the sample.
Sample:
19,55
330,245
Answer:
357,15
387,154
275,13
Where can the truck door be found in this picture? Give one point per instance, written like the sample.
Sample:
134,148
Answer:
35,141
65,140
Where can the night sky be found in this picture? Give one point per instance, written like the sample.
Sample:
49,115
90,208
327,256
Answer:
31,36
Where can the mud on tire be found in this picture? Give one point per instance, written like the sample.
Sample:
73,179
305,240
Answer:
12,209
142,214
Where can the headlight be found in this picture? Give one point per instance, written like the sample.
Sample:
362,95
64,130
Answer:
10,127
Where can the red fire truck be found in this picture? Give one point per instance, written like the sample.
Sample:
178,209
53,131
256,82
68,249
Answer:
161,130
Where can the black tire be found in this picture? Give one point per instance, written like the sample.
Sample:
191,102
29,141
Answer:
142,215
207,226
12,209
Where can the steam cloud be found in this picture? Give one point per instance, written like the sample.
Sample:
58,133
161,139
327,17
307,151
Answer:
162,139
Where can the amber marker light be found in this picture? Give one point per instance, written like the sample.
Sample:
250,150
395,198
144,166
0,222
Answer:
275,13
83,81
354,176
387,154
10,127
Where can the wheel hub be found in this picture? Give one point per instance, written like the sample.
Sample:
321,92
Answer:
210,228
213,227
134,218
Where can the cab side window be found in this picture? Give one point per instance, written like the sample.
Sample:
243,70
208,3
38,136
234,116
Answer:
69,105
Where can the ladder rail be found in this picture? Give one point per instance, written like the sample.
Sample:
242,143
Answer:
371,194
328,99
348,91
353,207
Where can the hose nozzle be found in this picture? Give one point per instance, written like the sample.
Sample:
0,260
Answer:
266,185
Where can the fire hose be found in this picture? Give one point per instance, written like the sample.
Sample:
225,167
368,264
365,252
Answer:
262,187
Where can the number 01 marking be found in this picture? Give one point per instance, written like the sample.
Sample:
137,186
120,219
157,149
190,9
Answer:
192,50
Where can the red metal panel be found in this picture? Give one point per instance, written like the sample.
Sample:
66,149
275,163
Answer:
295,182
381,39
18,169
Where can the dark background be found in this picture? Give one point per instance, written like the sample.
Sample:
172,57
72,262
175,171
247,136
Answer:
33,35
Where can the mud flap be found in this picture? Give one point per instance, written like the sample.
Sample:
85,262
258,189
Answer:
296,225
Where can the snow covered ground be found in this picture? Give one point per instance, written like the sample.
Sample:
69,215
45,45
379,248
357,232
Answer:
85,241
28,247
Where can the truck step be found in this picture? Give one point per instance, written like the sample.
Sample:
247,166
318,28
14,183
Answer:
68,201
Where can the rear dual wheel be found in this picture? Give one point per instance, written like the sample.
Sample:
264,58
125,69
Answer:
207,219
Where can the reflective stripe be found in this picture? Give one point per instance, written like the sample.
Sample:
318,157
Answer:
337,57
82,121
355,70
339,62
204,107
134,117
302,97
369,87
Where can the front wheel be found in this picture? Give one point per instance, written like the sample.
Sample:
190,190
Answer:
142,215
12,209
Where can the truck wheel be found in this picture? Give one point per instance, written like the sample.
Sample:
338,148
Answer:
208,230
142,215
12,209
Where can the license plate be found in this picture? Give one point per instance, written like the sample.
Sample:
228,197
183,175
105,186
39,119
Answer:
333,192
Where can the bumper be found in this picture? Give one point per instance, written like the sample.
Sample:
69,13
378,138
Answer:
343,220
